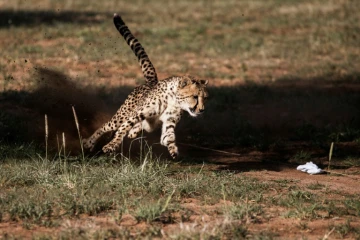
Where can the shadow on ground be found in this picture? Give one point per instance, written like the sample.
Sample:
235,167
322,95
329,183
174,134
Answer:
12,18
258,122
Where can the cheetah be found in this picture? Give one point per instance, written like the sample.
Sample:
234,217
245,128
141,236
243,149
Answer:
151,104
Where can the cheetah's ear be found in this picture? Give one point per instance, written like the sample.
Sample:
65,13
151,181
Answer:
204,82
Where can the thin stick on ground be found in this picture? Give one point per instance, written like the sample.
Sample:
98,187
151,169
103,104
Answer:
58,146
211,149
46,137
64,143
78,130
330,154
327,235
64,146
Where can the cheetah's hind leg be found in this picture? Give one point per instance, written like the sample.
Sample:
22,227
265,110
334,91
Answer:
89,143
137,128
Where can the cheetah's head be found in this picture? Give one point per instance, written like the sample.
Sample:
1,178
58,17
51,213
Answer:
192,94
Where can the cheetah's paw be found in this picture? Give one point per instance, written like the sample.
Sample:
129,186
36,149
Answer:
173,150
108,148
87,144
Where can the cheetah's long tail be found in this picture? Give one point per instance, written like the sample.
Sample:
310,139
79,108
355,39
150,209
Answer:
145,63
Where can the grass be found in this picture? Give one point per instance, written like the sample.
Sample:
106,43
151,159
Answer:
283,86
301,156
342,230
45,192
42,192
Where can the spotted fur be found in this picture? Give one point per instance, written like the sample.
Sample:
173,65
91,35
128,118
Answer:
153,103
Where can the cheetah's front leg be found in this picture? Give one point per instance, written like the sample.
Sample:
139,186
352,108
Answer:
168,132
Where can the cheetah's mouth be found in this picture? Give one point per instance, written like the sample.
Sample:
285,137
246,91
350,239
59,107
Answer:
192,112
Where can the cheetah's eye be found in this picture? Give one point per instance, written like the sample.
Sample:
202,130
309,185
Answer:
195,97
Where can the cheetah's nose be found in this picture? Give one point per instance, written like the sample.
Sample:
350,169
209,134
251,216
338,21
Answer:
201,110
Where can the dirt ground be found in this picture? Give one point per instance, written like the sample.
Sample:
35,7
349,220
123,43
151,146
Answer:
204,217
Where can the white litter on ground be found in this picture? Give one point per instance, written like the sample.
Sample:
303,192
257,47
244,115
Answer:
310,168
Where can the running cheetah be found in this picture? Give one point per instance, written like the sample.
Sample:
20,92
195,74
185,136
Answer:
152,103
